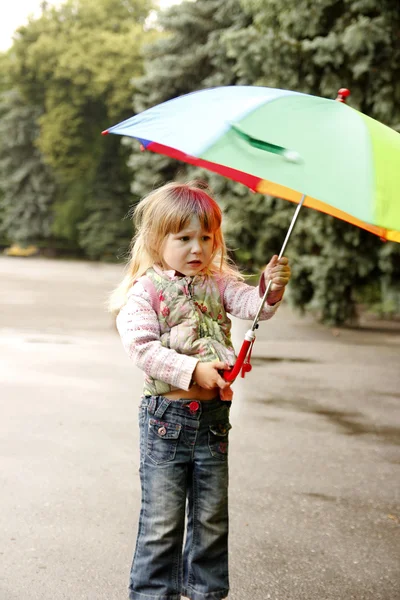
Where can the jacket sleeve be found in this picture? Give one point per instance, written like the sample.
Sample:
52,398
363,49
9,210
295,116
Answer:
139,329
243,301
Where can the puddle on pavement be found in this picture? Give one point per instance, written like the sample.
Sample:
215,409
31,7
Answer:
349,423
321,497
351,503
390,395
260,360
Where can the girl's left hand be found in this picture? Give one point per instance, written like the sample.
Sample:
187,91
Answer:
279,272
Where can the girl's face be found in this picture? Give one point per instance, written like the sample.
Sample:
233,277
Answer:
188,251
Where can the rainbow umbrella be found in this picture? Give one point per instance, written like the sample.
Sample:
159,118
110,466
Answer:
310,150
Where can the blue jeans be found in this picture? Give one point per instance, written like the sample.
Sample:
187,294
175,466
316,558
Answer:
183,464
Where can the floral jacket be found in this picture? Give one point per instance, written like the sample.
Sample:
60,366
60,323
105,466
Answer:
170,322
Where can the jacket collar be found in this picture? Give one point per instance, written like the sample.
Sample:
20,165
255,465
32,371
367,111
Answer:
174,275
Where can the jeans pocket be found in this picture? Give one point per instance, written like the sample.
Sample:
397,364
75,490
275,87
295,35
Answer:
218,440
162,440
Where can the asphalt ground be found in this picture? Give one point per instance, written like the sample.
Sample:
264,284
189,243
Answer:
314,449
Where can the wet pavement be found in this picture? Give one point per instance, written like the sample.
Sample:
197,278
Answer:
315,460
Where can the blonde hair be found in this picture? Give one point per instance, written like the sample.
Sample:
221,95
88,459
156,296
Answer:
166,210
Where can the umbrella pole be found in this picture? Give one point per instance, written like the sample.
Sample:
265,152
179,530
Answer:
250,334
281,253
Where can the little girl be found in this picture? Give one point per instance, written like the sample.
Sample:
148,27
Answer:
172,317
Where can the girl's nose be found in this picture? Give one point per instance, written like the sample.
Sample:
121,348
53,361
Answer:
196,247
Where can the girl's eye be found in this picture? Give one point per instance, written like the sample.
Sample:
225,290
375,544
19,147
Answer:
184,238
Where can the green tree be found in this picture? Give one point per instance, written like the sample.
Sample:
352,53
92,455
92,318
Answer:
187,56
317,47
74,64
27,184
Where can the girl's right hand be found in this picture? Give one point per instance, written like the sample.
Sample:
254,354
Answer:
207,376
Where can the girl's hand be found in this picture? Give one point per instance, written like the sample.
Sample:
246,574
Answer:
206,375
279,272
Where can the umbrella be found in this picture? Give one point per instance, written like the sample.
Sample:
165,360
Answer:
310,150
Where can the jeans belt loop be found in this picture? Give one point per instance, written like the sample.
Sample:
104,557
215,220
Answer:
162,408
152,405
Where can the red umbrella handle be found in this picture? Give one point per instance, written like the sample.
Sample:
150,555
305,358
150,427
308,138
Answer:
230,375
234,372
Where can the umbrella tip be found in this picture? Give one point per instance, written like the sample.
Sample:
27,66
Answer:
105,132
292,156
342,95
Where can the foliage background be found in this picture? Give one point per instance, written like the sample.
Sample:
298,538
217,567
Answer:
87,64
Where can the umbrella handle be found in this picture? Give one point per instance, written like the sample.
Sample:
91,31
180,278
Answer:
231,374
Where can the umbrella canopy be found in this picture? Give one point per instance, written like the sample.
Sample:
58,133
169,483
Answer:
285,144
